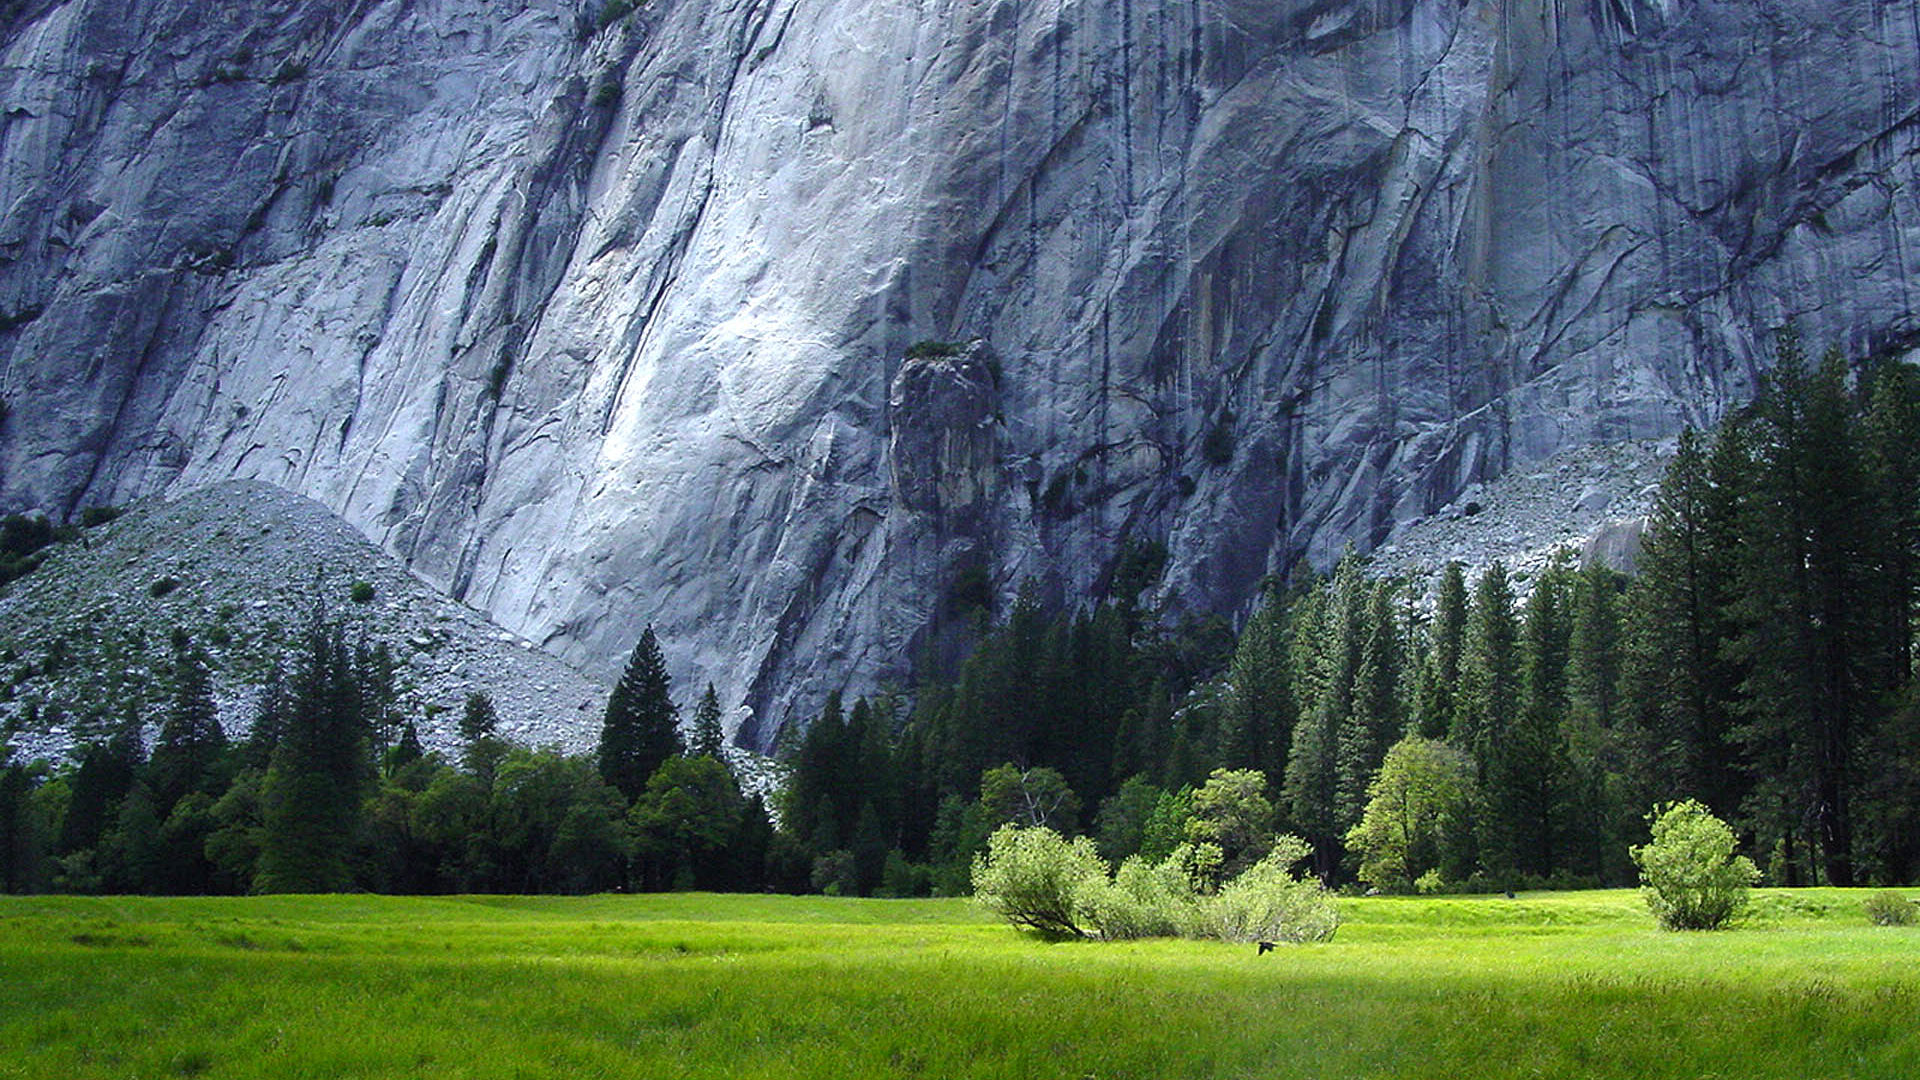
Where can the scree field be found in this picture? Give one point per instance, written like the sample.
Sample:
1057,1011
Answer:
1563,985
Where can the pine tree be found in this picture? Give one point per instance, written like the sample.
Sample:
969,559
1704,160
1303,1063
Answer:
1490,666
310,799
105,774
640,730
1258,721
1313,772
1527,768
819,779
1488,708
1376,720
1438,694
191,745
1593,651
479,720
708,737
1805,605
1680,685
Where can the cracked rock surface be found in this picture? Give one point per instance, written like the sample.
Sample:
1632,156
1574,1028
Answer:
601,326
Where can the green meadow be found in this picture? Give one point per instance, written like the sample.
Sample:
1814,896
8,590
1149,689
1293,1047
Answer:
1570,984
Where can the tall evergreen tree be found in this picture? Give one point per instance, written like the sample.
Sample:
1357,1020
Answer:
1313,771
641,729
1593,649
1487,710
106,772
310,799
188,753
1376,719
1817,677
709,739
1681,686
1439,688
1527,767
20,836
1490,666
1258,719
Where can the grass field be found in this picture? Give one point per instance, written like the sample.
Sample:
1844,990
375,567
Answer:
1574,985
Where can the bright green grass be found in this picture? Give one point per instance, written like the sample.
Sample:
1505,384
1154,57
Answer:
1575,985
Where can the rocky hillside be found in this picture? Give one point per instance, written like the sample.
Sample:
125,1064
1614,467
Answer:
242,567
599,314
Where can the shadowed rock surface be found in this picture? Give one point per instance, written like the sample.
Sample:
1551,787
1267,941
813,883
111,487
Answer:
602,325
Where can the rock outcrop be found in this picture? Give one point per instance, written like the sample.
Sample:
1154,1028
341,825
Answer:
597,317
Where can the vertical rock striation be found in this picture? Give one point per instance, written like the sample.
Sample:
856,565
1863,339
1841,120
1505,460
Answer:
602,325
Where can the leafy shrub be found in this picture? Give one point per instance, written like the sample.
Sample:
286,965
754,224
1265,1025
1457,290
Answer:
1034,877
1889,908
609,13
95,516
1146,899
361,592
162,586
1268,902
1693,878
935,350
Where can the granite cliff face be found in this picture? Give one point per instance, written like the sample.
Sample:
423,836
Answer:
602,325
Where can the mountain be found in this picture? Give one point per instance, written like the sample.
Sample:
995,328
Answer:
786,326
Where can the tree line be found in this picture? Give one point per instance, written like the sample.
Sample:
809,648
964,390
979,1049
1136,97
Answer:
1487,733
331,790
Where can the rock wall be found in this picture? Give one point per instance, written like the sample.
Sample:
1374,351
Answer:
605,325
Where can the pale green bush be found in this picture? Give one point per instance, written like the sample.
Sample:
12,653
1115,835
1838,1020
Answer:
1146,899
1037,879
1034,877
1268,902
1889,908
1693,878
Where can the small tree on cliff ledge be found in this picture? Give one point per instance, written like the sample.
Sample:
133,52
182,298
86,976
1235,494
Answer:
641,729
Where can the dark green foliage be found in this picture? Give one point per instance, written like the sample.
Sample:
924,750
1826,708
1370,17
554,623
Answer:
1376,721
163,587
1258,719
640,730
361,592
684,825
970,592
22,543
478,719
191,750
1681,684
95,516
106,772
23,836
310,797
709,738
1029,797
556,825
935,350
1436,703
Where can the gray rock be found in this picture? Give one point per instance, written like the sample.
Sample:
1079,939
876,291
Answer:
601,331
